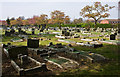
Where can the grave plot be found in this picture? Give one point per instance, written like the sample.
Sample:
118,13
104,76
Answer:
86,32
26,65
82,56
62,62
21,62
59,36
66,41
113,39
114,42
16,40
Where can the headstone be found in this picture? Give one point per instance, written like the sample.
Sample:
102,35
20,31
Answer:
7,33
63,32
33,31
59,45
112,37
69,45
33,43
119,31
50,44
12,31
77,30
24,59
19,30
115,33
19,56
67,33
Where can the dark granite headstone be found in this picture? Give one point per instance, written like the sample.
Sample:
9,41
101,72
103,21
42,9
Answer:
14,51
7,33
33,31
67,33
115,33
69,45
12,31
112,37
119,31
50,44
19,30
33,43
63,32
77,30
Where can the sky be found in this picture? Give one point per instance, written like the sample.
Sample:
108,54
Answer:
72,8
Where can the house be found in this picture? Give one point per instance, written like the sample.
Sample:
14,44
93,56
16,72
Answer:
110,21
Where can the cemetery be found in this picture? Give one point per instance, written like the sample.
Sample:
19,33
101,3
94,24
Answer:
59,46
43,50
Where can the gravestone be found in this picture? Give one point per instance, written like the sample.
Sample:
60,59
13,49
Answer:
33,31
33,43
119,31
19,56
77,30
7,33
19,30
115,33
69,45
112,37
67,33
12,31
63,32
24,59
59,45
50,44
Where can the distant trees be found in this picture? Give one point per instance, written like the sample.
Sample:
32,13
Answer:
77,21
67,20
57,17
96,11
8,21
43,19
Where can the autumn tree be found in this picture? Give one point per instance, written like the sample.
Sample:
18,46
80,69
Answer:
43,19
96,11
77,21
66,20
25,22
13,22
57,17
19,21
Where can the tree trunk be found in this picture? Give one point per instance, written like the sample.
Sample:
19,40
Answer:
95,23
59,26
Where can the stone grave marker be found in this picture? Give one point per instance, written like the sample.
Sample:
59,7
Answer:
112,37
24,59
33,31
33,43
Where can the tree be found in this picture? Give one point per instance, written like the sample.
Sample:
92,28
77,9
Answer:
19,21
66,20
13,22
96,11
8,21
57,17
78,21
25,22
43,19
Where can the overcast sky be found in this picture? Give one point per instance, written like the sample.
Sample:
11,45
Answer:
15,8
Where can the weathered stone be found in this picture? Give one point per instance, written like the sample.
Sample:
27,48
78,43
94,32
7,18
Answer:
112,37
33,43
